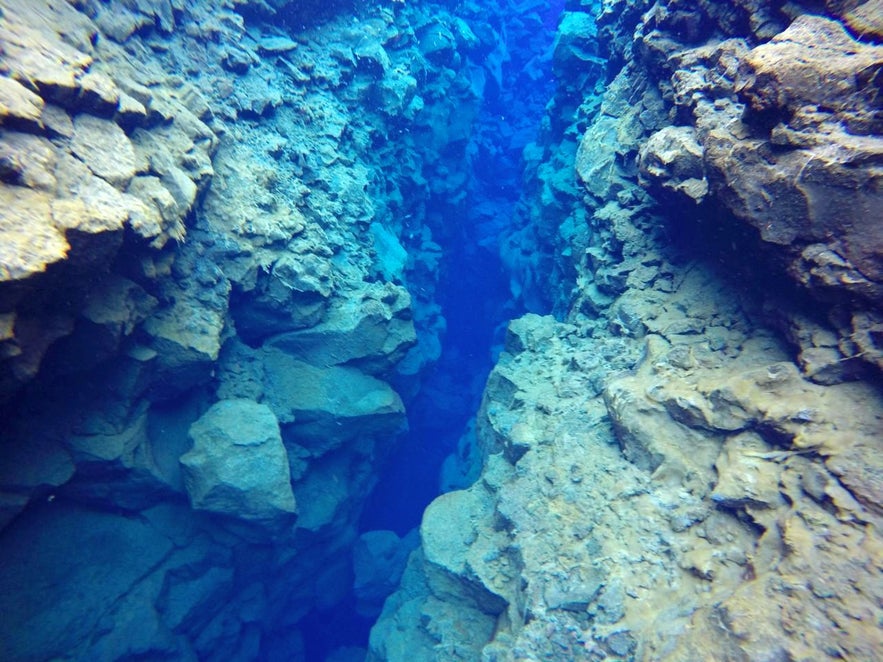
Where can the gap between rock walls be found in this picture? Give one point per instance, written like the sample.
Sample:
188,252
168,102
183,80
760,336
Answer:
253,251
280,245
474,288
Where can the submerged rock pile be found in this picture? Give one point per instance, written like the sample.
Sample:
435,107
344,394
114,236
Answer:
686,465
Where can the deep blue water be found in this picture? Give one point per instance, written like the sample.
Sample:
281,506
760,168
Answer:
476,300
474,289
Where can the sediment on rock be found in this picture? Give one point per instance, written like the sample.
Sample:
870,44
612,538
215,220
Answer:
680,465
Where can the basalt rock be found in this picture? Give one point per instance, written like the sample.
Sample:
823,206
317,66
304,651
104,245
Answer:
238,466
664,462
206,243
785,138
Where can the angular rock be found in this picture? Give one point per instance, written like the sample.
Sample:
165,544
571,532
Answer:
28,160
238,466
456,552
866,20
30,238
327,406
19,104
745,478
98,93
104,147
814,62
374,332
673,158
576,43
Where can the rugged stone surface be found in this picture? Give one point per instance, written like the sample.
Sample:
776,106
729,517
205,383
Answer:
787,138
238,466
71,146
675,468
209,238
679,468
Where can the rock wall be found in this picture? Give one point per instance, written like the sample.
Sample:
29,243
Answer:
218,293
685,464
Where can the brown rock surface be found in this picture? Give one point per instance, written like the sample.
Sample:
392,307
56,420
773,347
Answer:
673,480
72,145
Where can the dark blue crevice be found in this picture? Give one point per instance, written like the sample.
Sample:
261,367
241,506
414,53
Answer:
474,286
474,291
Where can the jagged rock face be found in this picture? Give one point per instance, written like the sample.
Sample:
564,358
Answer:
682,468
238,466
89,152
787,136
212,218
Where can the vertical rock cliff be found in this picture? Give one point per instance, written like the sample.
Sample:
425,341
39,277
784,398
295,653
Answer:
217,295
684,463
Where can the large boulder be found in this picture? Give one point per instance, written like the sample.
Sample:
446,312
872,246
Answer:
373,331
238,465
325,407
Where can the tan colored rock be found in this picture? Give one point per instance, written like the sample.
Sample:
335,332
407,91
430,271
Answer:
19,103
99,93
29,160
57,121
34,52
155,195
186,334
866,20
673,158
119,22
104,147
814,62
29,239
747,474
130,111
97,207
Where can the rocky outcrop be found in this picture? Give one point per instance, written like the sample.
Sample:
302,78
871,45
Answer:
783,136
89,153
628,512
215,262
679,467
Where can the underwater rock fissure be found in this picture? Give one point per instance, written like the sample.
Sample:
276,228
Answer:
473,290
254,230
254,251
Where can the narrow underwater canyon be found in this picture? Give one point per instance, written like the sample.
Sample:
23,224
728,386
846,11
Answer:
441,330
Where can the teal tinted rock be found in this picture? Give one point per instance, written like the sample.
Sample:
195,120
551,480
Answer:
276,45
437,42
373,331
391,256
329,405
46,551
238,466
379,559
576,44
